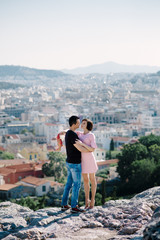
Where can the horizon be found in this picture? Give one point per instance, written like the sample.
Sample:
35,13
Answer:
136,65
67,35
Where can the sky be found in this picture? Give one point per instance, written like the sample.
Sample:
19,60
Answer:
65,34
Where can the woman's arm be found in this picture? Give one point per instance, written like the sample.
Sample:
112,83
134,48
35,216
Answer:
63,132
59,140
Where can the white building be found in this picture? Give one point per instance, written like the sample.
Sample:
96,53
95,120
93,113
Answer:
39,128
103,138
51,130
41,185
99,154
1,180
150,121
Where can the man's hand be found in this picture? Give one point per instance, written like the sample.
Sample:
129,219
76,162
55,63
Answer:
79,142
80,147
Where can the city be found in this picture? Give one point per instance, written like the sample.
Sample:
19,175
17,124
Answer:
122,106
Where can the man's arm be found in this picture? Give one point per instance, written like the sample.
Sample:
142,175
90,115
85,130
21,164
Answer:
80,148
90,149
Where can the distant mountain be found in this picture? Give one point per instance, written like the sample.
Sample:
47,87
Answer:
112,67
19,72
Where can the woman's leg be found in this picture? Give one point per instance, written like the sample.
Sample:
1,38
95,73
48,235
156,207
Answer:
86,188
93,188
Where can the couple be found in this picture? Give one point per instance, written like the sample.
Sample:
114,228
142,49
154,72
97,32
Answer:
80,159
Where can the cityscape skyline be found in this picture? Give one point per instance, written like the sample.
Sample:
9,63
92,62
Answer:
65,35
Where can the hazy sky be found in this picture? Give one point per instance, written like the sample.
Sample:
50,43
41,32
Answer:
57,34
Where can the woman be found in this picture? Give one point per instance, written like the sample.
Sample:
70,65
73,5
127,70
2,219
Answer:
88,162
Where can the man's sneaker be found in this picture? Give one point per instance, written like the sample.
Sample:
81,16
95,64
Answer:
77,210
64,208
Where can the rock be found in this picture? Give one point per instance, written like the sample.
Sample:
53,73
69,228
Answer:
152,231
121,219
12,223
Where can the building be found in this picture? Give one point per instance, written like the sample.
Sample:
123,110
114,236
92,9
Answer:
120,141
15,111
12,162
12,191
14,173
11,138
17,127
51,130
41,185
35,153
99,154
106,163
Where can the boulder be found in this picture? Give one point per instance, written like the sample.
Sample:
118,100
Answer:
137,218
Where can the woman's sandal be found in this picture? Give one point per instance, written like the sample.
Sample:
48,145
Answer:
87,205
91,206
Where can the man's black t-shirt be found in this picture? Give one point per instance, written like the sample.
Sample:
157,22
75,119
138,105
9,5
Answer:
73,155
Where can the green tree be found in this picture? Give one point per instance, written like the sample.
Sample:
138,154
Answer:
103,187
156,175
56,167
150,140
81,198
103,173
24,131
129,154
98,199
108,155
42,201
112,145
7,155
141,176
154,151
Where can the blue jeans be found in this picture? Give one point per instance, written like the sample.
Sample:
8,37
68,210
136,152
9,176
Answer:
74,182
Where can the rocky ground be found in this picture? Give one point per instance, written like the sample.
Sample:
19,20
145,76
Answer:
137,218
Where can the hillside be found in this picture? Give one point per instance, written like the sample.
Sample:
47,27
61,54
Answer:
24,73
112,67
7,85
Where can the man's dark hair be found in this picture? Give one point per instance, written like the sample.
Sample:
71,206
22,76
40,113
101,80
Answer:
73,120
89,124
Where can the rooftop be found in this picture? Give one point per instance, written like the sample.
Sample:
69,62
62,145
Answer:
6,187
4,163
34,181
5,171
107,162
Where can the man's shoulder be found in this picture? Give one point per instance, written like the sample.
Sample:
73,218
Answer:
70,133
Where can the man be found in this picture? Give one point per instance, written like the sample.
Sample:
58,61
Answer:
73,163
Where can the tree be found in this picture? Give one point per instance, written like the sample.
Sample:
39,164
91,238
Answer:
56,167
129,154
42,201
103,189
112,145
108,155
103,173
98,199
141,176
24,131
150,140
156,175
154,151
7,155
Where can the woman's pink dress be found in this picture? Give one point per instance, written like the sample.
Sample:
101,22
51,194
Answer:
88,161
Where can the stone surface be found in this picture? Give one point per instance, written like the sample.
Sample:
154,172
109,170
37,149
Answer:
137,218
152,231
